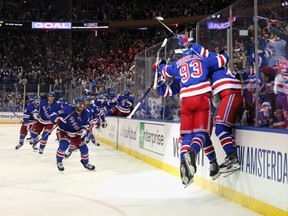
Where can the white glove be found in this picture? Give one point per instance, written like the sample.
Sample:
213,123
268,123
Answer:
36,116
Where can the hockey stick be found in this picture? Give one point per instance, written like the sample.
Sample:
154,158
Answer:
270,20
139,103
9,108
160,19
157,59
49,133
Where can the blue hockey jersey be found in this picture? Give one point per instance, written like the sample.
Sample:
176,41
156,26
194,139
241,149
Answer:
44,109
74,122
194,72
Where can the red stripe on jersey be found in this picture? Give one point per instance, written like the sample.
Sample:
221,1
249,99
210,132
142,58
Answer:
191,88
209,149
222,60
185,148
226,82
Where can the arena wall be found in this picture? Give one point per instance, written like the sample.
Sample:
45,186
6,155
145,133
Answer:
261,185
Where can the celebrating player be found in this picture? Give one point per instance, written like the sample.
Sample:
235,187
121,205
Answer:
73,124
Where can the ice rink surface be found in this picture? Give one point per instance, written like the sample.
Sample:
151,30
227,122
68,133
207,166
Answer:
31,185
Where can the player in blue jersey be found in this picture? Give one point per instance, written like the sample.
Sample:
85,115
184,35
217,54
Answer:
31,96
227,88
28,120
63,102
124,105
97,118
73,123
42,115
195,94
171,88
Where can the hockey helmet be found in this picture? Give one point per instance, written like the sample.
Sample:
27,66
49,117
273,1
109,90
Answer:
51,94
31,95
87,98
112,94
126,92
78,100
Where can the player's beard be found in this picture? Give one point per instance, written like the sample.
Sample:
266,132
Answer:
79,108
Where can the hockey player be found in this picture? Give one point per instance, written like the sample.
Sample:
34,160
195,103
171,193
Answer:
62,102
31,96
228,90
124,105
195,94
28,120
42,115
112,100
173,88
97,120
73,122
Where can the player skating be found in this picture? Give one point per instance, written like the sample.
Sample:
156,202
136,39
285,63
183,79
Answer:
28,120
43,123
73,123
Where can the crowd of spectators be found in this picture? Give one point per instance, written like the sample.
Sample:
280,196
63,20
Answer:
87,10
62,58
103,59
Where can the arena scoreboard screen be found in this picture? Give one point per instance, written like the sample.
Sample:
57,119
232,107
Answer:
54,25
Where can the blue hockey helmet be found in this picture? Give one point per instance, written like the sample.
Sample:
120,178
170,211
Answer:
31,95
51,94
36,97
126,92
61,100
112,94
78,100
87,98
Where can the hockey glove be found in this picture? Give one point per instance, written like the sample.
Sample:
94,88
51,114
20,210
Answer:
36,116
60,119
82,133
104,124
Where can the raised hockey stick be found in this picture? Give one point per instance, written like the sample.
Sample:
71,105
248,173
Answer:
160,19
49,133
9,108
140,102
157,60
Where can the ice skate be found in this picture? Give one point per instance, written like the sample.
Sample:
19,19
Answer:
184,172
18,146
88,166
41,151
230,165
214,170
60,166
190,160
34,146
96,143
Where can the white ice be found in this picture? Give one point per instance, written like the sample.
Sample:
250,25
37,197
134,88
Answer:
31,185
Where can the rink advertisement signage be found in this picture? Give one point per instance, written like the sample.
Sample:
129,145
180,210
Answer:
264,163
51,25
10,117
152,137
128,132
